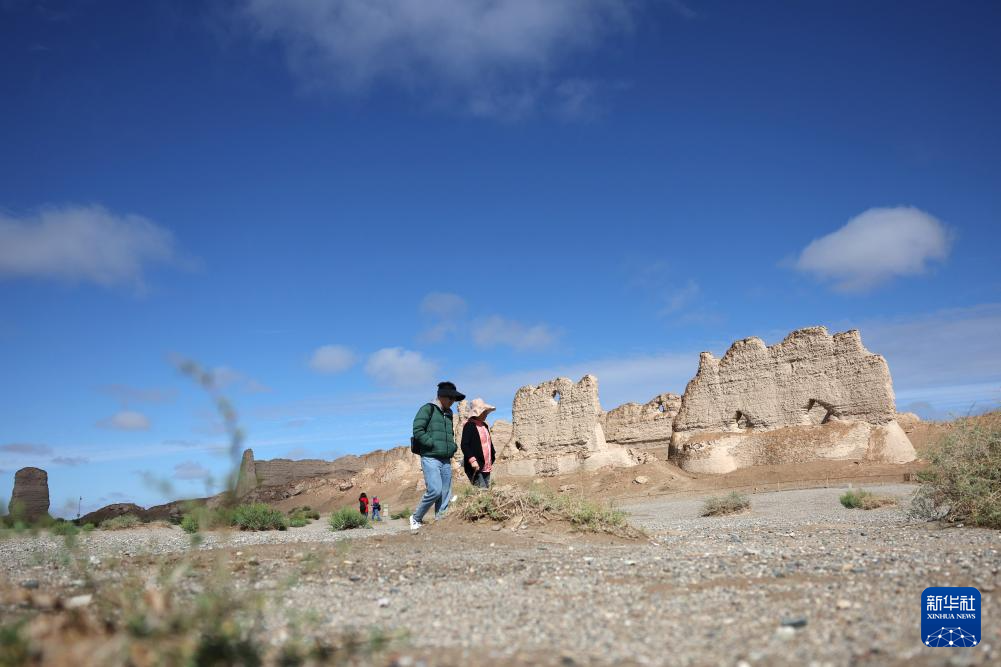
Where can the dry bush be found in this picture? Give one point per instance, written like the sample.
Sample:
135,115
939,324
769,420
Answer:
507,503
963,479
865,500
731,503
121,522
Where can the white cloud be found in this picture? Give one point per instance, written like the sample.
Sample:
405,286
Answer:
496,330
225,377
876,246
443,305
127,394
83,243
445,312
396,367
680,298
190,470
332,359
496,58
126,420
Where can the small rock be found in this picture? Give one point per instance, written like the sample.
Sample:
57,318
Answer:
30,584
844,604
354,577
785,633
567,487
796,622
78,601
383,602
641,479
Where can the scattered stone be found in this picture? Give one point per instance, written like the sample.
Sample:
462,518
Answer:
844,604
796,622
383,602
30,584
641,479
785,633
78,601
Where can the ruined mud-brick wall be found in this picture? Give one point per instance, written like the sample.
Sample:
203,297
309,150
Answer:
557,429
30,498
811,396
643,426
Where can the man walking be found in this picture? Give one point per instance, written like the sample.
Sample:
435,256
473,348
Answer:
434,440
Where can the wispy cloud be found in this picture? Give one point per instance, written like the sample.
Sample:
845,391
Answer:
496,330
397,367
230,378
128,395
875,247
83,244
191,470
492,58
70,461
126,420
331,359
27,449
443,312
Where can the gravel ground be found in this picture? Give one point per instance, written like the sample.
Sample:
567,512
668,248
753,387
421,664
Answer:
796,580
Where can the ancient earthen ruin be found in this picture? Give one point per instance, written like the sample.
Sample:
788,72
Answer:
812,396
29,500
642,426
557,429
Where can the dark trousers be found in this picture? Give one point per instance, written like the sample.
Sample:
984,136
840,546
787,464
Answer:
481,480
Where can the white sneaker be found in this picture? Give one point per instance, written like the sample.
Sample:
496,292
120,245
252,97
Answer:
454,498
414,523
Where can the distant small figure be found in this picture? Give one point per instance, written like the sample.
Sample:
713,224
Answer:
376,509
363,504
478,451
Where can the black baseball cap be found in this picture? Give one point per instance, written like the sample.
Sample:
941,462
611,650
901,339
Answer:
448,390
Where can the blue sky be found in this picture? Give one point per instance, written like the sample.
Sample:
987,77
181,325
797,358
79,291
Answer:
336,204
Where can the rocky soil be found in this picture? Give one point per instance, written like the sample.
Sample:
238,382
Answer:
796,580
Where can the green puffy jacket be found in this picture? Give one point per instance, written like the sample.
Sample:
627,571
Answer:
433,429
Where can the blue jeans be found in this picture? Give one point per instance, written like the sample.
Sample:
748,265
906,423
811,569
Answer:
375,515
438,479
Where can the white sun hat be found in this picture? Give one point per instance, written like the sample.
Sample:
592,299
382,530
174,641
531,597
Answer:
480,408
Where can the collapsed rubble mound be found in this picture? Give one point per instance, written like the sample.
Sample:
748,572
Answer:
557,430
29,500
643,426
812,396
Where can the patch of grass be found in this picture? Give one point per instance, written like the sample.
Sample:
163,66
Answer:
259,516
64,528
963,479
731,503
866,500
14,647
121,522
506,503
305,512
189,523
402,514
298,522
87,527
347,518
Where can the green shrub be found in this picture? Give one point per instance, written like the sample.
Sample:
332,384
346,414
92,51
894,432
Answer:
189,523
64,528
307,513
963,479
298,521
859,499
87,527
731,503
346,518
402,514
121,522
259,516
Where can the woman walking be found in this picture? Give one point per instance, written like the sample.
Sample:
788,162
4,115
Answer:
478,451
363,504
